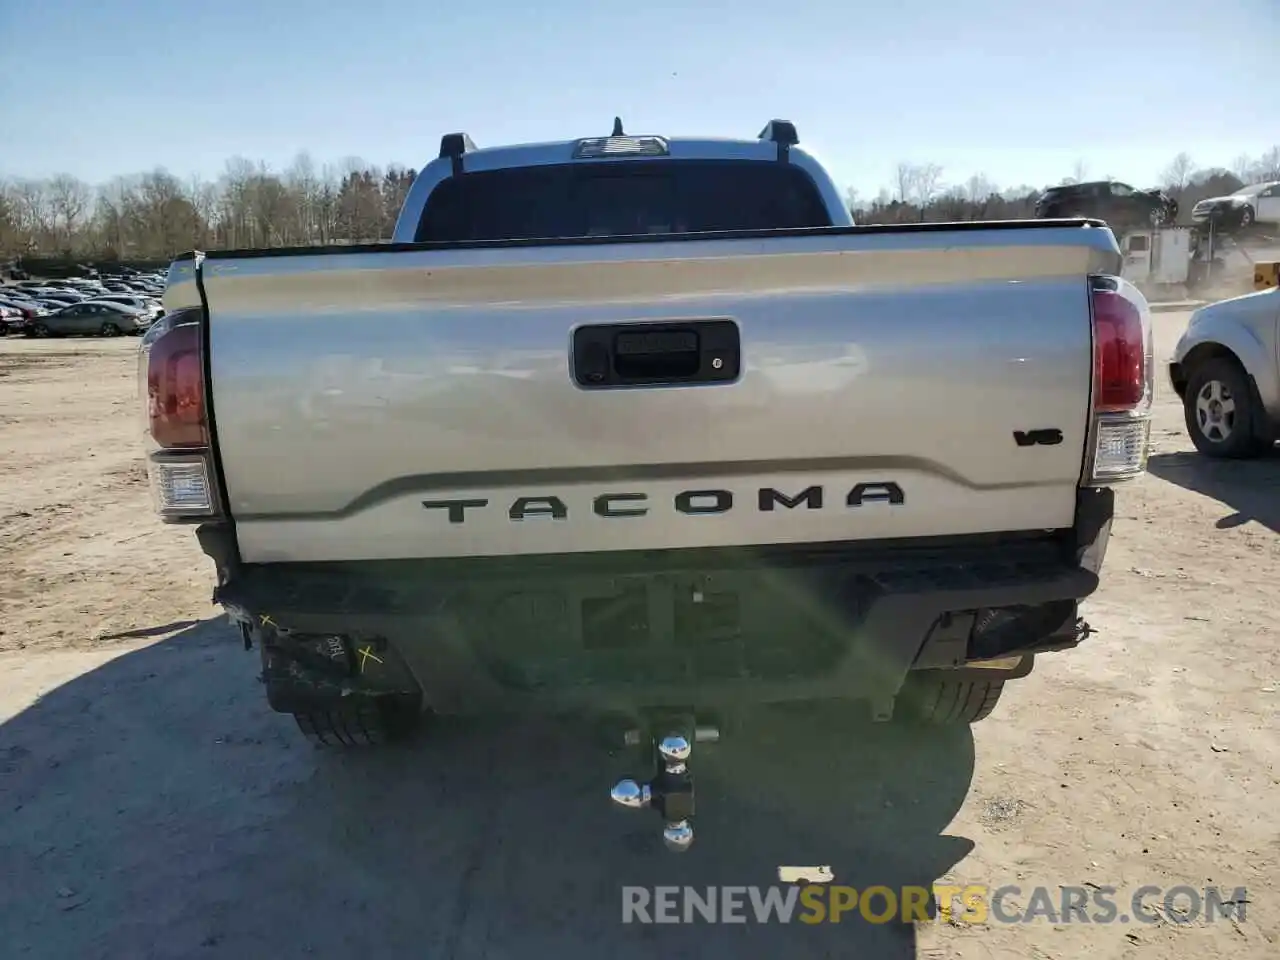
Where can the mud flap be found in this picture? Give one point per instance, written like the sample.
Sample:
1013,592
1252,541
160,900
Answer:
306,671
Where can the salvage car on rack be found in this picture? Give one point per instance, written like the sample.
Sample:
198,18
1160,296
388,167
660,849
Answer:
1117,203
1254,203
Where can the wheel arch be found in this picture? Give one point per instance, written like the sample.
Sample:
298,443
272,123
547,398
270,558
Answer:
1200,354
1224,338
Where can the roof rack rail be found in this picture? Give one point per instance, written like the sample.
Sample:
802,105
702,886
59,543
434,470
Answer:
783,133
453,146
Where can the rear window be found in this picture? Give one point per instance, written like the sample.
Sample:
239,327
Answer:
621,199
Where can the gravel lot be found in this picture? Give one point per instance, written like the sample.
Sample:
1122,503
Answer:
151,805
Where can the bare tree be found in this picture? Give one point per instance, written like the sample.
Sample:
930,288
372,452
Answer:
906,180
169,216
1079,171
1269,165
1242,166
851,201
1178,173
918,185
69,201
12,238
204,201
979,192
304,184
235,219
34,211
928,180
272,209
115,215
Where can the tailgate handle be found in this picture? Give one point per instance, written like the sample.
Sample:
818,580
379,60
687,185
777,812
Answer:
656,354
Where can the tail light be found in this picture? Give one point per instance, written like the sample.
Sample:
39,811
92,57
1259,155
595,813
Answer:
1123,382
173,391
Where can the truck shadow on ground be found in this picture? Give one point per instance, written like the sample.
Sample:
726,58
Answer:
155,807
1251,488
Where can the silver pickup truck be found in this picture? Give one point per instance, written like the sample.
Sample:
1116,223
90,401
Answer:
646,427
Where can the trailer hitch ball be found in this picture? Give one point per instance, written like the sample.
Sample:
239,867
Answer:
678,836
674,750
670,792
632,795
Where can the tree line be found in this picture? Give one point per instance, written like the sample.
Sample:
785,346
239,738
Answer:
156,214
920,192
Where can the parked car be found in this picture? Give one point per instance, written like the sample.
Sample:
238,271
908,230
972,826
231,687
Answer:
1226,370
1119,204
63,296
140,303
82,319
12,320
27,310
708,461
1256,203
25,298
87,286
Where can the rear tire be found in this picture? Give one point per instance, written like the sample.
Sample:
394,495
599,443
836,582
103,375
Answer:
1220,412
361,721
110,330
934,698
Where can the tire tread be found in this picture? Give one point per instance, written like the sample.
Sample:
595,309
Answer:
359,722
941,700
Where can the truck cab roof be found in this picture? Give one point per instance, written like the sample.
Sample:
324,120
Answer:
461,158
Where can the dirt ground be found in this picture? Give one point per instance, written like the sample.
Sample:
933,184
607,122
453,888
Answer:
151,805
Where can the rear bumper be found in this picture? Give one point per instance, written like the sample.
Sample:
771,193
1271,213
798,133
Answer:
625,630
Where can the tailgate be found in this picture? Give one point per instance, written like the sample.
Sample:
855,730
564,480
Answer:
415,403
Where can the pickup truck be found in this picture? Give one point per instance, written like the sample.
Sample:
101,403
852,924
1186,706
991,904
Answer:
645,427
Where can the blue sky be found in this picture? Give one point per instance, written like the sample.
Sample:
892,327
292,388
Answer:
1016,90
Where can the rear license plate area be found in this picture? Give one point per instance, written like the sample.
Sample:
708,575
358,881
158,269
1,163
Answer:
668,628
